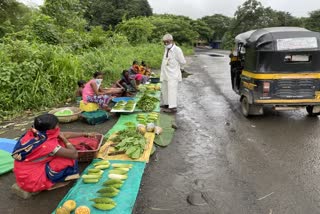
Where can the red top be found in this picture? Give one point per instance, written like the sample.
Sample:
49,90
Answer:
30,173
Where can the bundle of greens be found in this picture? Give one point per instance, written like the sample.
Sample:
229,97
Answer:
147,103
130,141
129,105
124,106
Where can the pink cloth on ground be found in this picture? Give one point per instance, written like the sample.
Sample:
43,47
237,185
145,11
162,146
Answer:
84,143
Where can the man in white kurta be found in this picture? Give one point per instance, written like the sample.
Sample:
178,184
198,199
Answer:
170,76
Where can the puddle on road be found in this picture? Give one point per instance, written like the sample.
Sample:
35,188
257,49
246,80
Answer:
215,55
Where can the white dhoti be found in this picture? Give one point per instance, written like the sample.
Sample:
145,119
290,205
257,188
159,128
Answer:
169,92
171,75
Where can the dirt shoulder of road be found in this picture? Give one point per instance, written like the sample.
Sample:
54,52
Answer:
46,201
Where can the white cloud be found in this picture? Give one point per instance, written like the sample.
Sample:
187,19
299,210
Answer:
32,2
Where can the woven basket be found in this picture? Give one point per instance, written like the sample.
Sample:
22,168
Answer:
69,118
89,155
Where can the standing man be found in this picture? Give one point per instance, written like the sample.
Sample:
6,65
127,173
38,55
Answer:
170,76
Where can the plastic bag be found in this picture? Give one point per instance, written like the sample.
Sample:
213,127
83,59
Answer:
157,130
150,127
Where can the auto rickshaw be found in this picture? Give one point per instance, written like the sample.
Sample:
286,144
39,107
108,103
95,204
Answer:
278,67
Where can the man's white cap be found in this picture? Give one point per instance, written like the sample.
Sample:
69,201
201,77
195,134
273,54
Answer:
167,37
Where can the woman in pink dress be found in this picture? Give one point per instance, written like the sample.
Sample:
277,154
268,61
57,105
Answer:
93,93
43,155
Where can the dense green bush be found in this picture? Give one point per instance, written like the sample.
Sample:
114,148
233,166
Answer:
137,30
35,75
42,59
152,28
179,26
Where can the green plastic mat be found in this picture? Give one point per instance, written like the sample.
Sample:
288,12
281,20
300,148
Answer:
165,138
82,193
6,162
120,125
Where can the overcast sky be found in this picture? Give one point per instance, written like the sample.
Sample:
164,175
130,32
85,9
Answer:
200,8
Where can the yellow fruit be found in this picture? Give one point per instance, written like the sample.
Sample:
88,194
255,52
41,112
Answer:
142,129
82,210
62,210
70,205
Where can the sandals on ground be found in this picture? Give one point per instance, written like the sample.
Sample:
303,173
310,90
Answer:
170,110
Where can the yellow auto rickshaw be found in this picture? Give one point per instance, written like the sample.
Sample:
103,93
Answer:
278,67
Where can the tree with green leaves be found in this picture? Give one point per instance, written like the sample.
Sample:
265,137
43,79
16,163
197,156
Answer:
249,16
45,30
179,26
252,15
13,16
204,31
66,13
219,24
111,12
137,30
313,22
151,29
282,18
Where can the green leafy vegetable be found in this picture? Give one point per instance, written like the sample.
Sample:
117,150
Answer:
147,103
130,141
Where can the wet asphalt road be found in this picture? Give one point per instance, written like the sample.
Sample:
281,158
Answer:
267,164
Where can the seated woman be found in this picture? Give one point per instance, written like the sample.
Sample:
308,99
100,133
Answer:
134,74
92,92
144,69
44,158
126,83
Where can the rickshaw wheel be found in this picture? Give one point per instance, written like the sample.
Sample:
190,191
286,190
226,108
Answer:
310,111
245,106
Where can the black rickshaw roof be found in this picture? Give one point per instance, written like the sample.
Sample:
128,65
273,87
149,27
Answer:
255,38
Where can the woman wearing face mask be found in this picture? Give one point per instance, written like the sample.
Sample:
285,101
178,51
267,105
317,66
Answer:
93,93
44,158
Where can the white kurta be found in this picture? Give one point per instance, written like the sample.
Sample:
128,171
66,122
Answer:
171,75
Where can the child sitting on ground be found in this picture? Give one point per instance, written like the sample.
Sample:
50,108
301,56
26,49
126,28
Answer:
81,84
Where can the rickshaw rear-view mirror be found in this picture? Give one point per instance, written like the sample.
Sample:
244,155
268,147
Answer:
243,50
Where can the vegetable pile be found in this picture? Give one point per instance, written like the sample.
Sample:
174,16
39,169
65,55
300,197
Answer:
147,103
124,106
64,112
112,186
95,174
131,142
149,118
